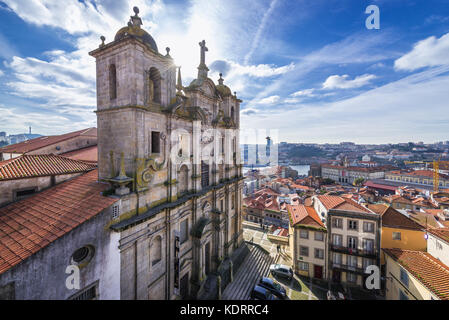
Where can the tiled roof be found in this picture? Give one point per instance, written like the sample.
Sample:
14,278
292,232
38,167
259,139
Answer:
393,218
419,173
89,154
379,186
28,225
397,198
44,141
27,166
440,233
301,214
431,272
340,203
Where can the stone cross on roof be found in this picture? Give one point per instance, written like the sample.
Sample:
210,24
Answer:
203,52
202,69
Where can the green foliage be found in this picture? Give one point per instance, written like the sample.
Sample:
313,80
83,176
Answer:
359,181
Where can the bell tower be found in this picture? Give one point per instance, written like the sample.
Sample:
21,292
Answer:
135,83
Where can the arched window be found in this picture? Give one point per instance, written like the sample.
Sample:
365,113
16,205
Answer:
112,82
183,179
156,250
154,85
232,114
221,172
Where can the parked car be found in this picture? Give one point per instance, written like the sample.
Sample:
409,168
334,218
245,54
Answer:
261,293
281,271
274,287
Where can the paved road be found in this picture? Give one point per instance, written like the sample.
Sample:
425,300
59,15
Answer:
256,265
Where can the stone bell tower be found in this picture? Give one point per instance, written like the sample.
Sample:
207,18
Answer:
132,79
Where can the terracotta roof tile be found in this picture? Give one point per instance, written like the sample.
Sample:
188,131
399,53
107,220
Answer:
27,166
393,218
28,225
44,141
440,233
428,270
88,154
301,214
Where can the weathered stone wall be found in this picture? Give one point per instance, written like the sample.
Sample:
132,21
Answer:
8,187
42,276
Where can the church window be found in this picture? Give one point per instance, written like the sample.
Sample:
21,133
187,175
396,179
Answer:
157,250
222,144
183,179
232,113
155,142
204,174
154,85
232,202
112,82
83,255
184,232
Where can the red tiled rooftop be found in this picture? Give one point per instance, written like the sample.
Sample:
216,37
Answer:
340,203
44,141
431,272
27,166
440,233
393,218
89,154
28,225
301,214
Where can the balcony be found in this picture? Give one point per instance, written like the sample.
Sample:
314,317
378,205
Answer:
347,268
372,254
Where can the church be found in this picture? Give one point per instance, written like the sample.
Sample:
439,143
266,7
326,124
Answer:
171,156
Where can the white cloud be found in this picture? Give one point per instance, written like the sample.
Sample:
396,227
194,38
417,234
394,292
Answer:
429,52
1,73
343,82
260,29
303,93
269,100
248,112
292,100
410,109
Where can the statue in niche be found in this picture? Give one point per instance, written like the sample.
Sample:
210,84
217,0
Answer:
150,89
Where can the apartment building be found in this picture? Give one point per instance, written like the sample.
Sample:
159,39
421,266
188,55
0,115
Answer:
345,174
438,244
308,239
420,177
415,275
353,238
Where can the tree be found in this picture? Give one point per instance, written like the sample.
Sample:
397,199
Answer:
359,181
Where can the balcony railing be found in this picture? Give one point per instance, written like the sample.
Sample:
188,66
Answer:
356,252
347,268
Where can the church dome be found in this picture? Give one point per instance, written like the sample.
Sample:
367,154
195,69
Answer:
223,89
134,29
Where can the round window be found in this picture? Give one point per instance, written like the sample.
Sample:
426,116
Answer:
83,255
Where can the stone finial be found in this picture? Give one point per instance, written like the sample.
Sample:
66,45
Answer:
168,52
102,38
135,20
179,82
220,81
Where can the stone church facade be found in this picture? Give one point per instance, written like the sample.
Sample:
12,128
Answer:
171,154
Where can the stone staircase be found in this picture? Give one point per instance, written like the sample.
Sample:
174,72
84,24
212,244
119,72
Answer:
256,265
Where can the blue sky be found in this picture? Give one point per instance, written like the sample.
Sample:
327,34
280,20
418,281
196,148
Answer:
308,70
